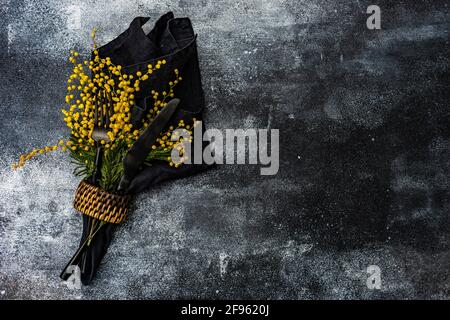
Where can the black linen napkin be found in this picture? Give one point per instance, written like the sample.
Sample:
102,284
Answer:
173,40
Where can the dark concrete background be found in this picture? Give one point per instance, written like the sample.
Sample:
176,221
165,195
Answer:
365,148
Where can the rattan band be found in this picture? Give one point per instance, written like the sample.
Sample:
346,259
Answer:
97,203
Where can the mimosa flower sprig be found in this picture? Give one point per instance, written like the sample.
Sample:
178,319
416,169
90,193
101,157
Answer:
82,94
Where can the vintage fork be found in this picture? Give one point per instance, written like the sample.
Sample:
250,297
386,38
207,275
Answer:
100,131
103,109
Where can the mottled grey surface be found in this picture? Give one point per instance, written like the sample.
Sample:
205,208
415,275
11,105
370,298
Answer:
365,148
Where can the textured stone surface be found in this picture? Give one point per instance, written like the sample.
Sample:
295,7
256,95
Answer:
365,149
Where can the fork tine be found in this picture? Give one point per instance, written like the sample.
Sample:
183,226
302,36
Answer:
96,112
109,108
102,109
105,108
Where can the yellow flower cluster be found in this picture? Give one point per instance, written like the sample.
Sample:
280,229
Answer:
173,140
82,97
120,86
25,157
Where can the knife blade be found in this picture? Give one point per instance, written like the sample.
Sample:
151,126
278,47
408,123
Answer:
135,157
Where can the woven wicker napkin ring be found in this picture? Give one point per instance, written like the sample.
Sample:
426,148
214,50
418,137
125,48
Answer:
99,204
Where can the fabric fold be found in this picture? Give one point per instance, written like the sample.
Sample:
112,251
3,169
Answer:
173,40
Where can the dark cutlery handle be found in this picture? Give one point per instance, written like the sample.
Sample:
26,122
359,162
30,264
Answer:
98,164
74,260
79,258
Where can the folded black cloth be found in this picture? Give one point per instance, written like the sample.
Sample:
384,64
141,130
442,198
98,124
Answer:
173,40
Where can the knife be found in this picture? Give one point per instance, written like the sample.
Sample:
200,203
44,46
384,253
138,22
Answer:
135,157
